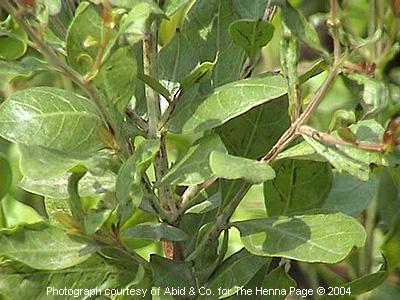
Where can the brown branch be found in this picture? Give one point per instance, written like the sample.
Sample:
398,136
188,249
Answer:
329,139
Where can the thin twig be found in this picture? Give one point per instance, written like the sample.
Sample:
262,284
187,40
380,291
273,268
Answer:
192,191
334,23
166,195
292,131
221,222
327,138
142,123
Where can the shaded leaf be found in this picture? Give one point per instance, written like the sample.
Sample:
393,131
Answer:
234,167
278,279
298,186
251,9
309,238
129,186
203,37
194,167
117,77
391,245
171,274
44,247
361,285
19,282
349,194
155,232
251,35
51,118
234,272
225,103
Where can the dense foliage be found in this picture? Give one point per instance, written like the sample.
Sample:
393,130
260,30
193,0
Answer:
191,148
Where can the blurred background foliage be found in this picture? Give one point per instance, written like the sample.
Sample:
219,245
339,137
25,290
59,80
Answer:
382,58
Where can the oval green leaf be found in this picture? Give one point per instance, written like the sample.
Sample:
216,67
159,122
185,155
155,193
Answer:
225,103
308,238
51,118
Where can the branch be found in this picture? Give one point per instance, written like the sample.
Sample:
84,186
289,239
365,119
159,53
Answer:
334,23
220,224
329,139
191,193
137,119
292,131
166,194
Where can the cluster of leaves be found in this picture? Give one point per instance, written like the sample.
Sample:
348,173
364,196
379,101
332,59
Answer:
145,123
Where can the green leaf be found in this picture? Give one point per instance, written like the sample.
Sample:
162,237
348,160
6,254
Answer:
251,35
171,274
117,77
350,159
44,247
391,245
133,26
84,36
375,95
233,167
155,232
234,273
95,219
198,74
172,6
129,186
361,285
16,213
349,194
56,187
203,37
24,68
209,204
301,151
298,24
5,175
309,238
388,195
298,186
20,282
155,85
194,167
278,279
225,103
43,163
252,134
13,40
251,9
53,6
51,118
